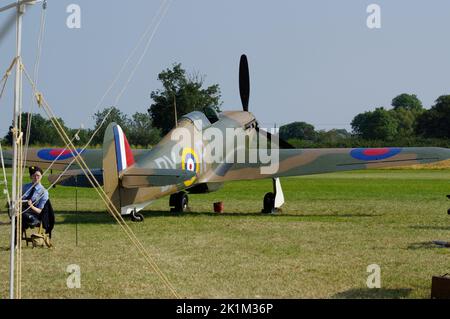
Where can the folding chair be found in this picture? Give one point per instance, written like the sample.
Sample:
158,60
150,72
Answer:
44,233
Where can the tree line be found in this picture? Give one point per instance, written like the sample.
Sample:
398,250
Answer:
138,129
405,123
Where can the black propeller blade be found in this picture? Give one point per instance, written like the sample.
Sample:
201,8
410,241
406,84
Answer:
244,90
244,82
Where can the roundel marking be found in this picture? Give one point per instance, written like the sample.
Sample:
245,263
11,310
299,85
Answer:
59,154
189,162
374,154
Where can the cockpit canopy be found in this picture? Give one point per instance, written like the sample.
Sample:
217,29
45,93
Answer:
211,114
205,118
199,120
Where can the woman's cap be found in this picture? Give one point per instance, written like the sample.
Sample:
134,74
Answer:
34,169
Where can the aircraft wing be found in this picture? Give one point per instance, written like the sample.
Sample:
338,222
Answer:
44,157
296,162
75,177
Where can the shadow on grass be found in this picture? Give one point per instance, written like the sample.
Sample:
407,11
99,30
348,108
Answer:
431,227
155,214
84,217
424,245
376,293
89,217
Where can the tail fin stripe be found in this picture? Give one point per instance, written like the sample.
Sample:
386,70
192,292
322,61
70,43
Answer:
123,158
124,155
117,145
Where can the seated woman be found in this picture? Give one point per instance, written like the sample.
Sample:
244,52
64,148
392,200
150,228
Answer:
34,198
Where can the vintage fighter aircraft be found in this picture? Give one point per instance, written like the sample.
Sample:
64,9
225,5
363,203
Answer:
134,178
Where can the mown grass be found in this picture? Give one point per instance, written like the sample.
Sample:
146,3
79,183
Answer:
331,228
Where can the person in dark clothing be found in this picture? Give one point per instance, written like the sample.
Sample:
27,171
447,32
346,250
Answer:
34,198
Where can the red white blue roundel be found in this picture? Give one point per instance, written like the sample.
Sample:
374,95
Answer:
190,164
59,154
374,154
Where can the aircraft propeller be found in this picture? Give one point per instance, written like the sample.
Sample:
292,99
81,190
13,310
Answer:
244,90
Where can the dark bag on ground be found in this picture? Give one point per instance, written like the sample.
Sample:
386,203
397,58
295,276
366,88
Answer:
440,287
48,218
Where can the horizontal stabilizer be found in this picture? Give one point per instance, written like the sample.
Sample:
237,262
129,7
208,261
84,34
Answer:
76,177
136,177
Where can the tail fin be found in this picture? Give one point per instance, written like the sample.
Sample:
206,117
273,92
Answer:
117,156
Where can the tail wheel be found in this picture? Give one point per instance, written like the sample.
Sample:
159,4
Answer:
137,217
269,203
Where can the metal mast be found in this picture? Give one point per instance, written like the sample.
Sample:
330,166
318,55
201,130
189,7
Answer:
14,205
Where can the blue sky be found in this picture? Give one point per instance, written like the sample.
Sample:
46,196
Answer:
314,61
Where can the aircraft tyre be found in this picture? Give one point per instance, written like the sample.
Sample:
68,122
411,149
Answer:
136,217
180,201
268,203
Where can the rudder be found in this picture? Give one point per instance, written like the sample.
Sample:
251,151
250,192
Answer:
117,156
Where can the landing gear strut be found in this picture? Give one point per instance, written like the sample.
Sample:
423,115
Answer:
136,217
273,200
179,202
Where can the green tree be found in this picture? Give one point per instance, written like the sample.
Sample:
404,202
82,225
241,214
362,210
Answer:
298,130
115,115
8,138
80,136
406,120
435,122
407,108
142,131
407,101
42,131
186,91
332,136
375,125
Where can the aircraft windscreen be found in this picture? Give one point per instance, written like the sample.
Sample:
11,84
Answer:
198,119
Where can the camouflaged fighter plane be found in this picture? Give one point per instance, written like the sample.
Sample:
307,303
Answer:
134,178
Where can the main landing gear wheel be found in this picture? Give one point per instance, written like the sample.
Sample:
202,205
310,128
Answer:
179,202
137,217
269,204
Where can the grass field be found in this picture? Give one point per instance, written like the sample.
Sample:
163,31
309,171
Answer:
332,227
